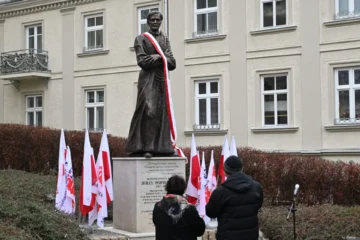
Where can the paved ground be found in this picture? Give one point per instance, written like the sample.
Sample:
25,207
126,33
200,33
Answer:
108,233
98,234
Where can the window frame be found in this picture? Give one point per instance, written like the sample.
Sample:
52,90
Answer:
275,93
208,96
351,87
351,9
274,14
94,28
27,33
34,109
94,105
144,21
206,10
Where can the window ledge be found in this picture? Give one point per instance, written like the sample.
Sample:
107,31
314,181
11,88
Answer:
93,53
273,29
206,38
342,21
206,132
343,128
275,130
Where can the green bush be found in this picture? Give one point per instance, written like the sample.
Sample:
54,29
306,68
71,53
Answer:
35,149
320,222
28,212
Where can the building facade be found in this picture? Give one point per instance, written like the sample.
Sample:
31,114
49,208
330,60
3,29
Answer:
278,75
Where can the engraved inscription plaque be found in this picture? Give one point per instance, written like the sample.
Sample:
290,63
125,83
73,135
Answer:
151,182
138,184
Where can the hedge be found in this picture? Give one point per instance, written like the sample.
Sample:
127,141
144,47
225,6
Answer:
322,222
35,149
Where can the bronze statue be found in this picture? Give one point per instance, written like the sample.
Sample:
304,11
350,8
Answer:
149,133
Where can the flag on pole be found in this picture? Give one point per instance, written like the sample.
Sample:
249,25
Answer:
211,178
225,153
61,180
104,153
100,211
233,149
88,178
193,185
69,204
202,198
104,186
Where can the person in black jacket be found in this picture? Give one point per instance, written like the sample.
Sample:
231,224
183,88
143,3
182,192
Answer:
236,203
174,217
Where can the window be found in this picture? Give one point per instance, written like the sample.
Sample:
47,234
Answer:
274,100
34,110
206,17
142,18
347,82
34,37
94,106
94,33
273,13
207,107
347,8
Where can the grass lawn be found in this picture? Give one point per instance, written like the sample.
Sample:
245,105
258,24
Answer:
27,213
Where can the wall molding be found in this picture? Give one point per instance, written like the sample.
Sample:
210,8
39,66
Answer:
13,10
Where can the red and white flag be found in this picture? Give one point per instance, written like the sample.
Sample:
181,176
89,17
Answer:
170,109
100,211
69,204
61,180
233,149
104,184
211,178
104,153
193,185
88,178
225,153
202,193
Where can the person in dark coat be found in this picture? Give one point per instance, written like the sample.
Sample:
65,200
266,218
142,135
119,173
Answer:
236,203
174,217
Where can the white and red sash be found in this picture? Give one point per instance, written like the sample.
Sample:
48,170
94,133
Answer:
170,110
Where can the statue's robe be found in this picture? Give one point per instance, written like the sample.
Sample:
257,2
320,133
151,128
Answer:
150,128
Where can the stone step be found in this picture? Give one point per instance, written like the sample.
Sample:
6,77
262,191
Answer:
109,233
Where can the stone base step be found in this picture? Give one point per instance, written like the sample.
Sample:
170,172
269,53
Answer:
109,233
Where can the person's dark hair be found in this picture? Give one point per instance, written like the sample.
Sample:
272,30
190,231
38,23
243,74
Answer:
154,13
175,185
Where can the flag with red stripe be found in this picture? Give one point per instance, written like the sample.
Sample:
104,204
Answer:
88,178
225,153
193,185
61,180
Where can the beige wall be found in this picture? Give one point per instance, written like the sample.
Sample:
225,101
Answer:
308,49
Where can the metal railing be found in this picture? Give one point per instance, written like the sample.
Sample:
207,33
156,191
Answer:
22,61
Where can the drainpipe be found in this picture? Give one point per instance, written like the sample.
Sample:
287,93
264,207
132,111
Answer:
166,17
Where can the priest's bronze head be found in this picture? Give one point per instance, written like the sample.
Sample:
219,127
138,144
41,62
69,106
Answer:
154,20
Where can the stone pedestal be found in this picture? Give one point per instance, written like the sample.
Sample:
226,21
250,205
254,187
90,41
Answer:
138,184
